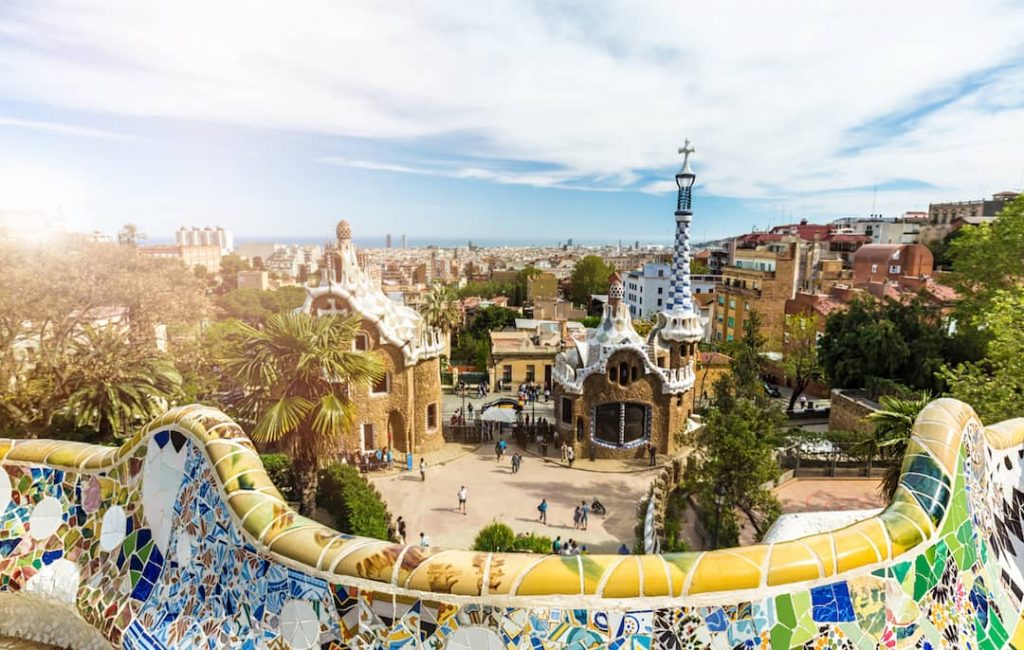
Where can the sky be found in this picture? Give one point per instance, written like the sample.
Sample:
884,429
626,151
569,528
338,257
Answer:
511,120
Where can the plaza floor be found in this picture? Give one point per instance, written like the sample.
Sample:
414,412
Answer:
495,494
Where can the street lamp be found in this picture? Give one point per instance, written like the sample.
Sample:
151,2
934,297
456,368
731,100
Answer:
719,502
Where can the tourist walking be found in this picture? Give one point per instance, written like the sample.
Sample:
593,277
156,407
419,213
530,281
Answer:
517,460
570,456
577,517
401,530
462,499
565,449
652,451
584,514
424,540
423,469
542,508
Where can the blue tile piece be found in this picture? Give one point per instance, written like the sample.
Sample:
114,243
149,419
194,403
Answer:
161,438
832,604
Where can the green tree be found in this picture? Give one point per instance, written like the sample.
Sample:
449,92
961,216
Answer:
495,537
886,342
230,266
642,326
800,350
294,372
255,305
589,277
355,505
734,452
441,308
129,235
988,259
994,385
893,427
698,268
112,384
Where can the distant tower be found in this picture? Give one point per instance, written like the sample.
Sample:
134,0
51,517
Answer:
405,243
387,241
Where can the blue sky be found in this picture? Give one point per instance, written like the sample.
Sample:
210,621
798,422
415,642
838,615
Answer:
505,119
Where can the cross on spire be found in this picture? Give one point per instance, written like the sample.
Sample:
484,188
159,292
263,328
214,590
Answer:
686,150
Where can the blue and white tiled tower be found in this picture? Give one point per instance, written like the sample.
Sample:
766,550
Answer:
681,293
673,340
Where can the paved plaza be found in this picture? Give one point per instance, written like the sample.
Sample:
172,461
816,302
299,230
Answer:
495,494
829,494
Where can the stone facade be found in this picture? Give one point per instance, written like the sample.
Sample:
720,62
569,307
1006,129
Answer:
760,280
403,410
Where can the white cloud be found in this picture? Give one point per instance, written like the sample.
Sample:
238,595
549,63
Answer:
600,91
61,128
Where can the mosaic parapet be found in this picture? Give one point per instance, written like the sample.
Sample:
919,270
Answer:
184,510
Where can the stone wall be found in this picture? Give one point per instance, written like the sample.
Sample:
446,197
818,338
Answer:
178,539
850,410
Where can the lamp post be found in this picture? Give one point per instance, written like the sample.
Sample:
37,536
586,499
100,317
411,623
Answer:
719,502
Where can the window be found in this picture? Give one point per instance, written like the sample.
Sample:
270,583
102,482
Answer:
621,424
613,374
567,410
659,302
531,373
623,374
361,342
732,303
367,437
506,373
728,338
634,373
382,385
660,290
732,322
894,269
432,416
746,306
721,300
874,268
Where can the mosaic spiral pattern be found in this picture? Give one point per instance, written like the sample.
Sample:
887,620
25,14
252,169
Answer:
178,539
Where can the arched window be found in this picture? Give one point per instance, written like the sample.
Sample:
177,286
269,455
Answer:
623,373
621,424
361,342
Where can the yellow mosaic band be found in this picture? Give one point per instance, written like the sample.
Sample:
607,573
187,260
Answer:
929,470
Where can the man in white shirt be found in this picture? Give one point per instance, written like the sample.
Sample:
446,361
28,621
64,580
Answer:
424,540
462,499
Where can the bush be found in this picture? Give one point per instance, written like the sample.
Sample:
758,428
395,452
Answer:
356,506
279,469
495,537
530,543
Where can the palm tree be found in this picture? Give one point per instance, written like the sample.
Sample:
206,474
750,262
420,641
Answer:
295,373
110,382
440,308
893,427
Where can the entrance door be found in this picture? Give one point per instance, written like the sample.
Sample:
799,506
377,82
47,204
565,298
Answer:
398,437
547,375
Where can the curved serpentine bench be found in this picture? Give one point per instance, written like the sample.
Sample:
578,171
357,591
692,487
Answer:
178,539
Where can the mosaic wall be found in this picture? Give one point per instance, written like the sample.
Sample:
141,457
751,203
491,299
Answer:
179,540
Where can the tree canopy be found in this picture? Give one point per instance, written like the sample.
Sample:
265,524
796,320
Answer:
589,277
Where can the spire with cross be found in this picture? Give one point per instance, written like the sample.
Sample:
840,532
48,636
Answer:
686,150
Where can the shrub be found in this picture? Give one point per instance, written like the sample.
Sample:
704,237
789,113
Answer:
356,506
494,537
279,469
530,543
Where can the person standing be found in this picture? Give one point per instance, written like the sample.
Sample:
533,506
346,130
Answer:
543,510
584,514
462,499
577,517
652,451
424,540
423,469
556,546
401,530
570,456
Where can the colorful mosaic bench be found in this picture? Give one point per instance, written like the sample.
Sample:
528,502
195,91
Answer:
178,539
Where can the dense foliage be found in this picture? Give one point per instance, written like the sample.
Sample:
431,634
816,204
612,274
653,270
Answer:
498,537
589,277
473,345
800,353
356,506
494,537
279,469
254,306
877,342
733,454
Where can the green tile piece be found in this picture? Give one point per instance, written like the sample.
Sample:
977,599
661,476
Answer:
899,571
780,636
784,611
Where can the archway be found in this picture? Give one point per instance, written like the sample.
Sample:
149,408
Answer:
398,435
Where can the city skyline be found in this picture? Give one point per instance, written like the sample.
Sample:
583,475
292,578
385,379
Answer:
267,128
